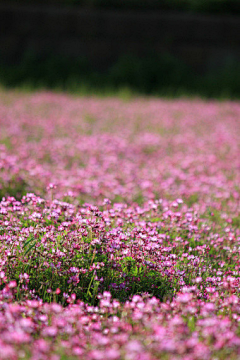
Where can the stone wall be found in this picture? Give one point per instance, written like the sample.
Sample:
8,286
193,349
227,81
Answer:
205,42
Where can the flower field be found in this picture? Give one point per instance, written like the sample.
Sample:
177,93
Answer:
119,228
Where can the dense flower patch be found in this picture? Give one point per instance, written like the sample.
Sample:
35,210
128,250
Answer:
119,229
96,149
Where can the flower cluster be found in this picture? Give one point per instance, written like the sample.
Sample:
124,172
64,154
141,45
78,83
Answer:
141,328
90,149
119,229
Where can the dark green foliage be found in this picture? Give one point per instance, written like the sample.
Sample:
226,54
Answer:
205,6
153,75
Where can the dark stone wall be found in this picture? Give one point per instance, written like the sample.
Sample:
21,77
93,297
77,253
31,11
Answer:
204,42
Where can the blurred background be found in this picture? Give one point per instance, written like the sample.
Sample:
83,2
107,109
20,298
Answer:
122,47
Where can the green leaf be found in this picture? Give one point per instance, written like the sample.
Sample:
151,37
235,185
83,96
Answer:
191,323
31,238
30,248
